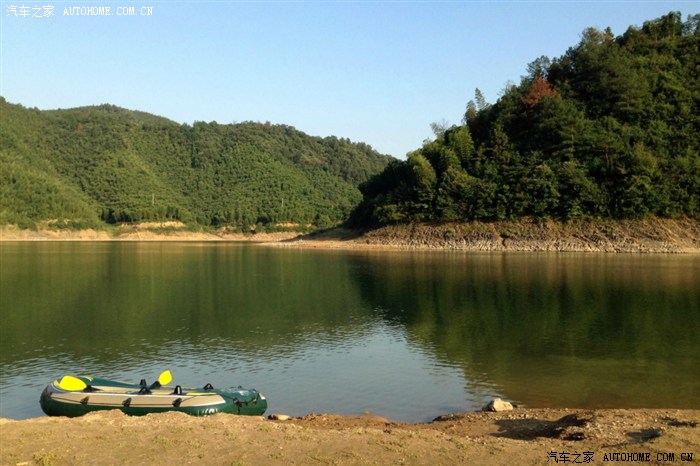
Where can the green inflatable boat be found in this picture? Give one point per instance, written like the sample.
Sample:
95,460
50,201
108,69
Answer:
74,396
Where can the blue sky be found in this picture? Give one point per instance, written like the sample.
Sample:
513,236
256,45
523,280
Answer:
373,71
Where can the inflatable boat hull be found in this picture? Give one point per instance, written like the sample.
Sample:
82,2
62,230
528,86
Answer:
103,394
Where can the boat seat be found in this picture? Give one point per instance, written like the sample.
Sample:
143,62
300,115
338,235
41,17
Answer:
91,400
148,401
109,400
203,400
105,389
69,397
161,392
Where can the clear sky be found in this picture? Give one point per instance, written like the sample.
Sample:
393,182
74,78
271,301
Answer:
373,71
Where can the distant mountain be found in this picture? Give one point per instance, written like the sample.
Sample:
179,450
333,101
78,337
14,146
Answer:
103,163
611,129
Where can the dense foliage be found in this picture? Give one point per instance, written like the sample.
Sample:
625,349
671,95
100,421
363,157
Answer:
611,129
106,164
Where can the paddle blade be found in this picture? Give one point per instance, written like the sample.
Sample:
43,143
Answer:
165,378
71,384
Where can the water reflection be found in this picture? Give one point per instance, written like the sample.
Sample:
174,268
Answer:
552,330
406,335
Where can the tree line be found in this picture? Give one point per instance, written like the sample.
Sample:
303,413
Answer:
611,129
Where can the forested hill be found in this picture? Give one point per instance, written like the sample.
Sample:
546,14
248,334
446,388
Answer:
106,164
611,129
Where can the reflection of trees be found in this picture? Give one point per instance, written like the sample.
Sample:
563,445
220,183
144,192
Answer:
118,296
531,322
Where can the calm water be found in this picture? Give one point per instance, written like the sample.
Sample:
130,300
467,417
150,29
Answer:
406,335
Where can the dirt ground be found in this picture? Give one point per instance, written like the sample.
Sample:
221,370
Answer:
522,436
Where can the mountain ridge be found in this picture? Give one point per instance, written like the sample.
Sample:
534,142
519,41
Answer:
105,164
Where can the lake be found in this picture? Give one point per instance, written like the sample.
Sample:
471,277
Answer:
405,335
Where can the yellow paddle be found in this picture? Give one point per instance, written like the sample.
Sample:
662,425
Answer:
74,384
71,384
165,377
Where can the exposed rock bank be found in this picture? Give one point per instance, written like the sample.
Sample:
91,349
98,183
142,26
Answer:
635,236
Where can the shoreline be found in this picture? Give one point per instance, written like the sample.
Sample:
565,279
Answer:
655,235
10,233
523,435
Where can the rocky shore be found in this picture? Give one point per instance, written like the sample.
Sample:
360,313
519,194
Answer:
652,235
629,236
521,436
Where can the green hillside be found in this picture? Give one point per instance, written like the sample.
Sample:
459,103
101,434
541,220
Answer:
611,129
102,164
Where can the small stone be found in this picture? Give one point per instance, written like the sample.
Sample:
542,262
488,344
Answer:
278,417
497,405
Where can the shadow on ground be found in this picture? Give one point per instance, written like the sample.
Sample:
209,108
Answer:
569,427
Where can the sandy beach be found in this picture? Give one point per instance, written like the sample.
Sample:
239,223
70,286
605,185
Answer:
521,436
